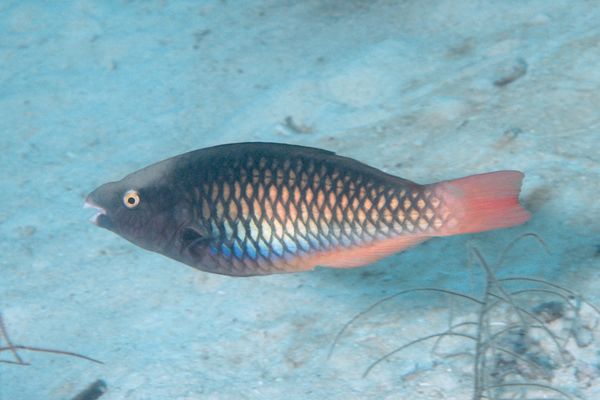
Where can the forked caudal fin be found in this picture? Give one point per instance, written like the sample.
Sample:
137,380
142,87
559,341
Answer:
483,202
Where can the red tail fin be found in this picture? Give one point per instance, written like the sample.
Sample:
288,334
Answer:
483,202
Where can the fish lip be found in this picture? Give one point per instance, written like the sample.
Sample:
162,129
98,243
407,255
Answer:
89,203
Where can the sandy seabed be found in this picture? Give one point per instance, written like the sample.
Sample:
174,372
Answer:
427,90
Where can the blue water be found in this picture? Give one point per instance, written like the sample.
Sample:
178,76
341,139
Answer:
90,91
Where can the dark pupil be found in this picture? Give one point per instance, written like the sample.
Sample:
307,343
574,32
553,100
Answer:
131,200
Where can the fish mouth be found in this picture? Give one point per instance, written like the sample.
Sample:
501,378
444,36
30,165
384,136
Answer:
97,218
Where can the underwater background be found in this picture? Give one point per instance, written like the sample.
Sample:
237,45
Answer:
426,90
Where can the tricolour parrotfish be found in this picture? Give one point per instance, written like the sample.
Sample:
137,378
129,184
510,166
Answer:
263,208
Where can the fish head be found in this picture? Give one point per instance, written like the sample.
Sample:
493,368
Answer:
141,207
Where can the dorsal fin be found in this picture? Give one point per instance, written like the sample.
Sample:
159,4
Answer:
288,149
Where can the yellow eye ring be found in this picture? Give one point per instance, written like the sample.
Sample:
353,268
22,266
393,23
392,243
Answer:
131,199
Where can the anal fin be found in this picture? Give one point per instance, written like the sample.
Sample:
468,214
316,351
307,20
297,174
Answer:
362,255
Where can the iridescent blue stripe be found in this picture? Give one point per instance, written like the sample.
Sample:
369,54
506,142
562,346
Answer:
291,245
304,245
263,248
333,241
237,250
251,250
277,247
324,241
314,242
225,250
346,241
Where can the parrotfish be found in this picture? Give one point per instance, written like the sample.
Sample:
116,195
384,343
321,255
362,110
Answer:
263,208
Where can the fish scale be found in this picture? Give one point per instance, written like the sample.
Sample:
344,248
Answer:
260,208
292,207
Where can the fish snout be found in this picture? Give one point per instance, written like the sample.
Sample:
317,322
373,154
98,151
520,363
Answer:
100,218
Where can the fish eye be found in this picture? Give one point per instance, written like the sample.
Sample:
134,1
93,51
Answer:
131,199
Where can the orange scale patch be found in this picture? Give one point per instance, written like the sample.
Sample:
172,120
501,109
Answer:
281,213
273,193
249,191
285,194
